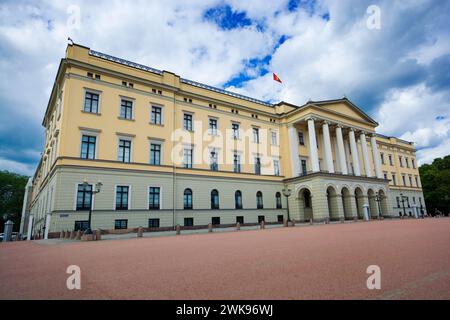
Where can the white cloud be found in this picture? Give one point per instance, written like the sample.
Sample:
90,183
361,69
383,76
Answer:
17,167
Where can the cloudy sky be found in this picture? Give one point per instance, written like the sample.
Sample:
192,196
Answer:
398,73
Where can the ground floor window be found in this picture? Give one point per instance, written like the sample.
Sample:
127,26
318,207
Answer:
261,218
81,225
280,218
153,223
121,224
240,219
188,222
215,220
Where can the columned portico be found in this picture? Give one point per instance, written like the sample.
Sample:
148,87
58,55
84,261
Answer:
376,157
341,150
354,150
313,146
327,147
367,165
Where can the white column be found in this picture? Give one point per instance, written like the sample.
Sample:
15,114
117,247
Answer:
47,225
327,147
313,146
293,144
341,149
354,149
376,157
367,165
30,226
25,204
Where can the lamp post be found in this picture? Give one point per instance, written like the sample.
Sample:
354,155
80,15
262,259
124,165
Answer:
378,199
97,189
403,203
287,194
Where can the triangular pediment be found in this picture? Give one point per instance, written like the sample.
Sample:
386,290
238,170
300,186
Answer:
344,107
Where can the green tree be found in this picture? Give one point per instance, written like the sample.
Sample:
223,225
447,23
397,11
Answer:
436,184
12,189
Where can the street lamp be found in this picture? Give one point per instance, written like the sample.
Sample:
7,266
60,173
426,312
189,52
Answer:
403,203
378,199
287,194
86,188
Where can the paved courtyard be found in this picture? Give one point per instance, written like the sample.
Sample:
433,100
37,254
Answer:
307,262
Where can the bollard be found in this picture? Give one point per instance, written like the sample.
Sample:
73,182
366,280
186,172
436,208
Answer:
61,235
355,219
263,225
140,232
98,235
311,221
72,234
67,234
293,222
210,227
178,229
327,220
285,223
238,226
78,237
342,220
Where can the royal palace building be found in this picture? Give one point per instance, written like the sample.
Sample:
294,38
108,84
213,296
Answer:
143,147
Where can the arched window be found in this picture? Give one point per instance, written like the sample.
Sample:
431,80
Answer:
238,199
307,197
187,199
214,199
259,200
278,200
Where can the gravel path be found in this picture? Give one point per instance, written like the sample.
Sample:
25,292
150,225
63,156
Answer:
316,262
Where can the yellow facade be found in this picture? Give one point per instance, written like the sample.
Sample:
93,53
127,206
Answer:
113,79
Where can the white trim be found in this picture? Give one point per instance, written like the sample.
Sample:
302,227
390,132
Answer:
160,197
127,138
87,132
161,152
133,102
115,196
99,92
76,196
157,105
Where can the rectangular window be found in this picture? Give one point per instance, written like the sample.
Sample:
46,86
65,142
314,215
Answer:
240,219
154,198
417,181
126,109
304,169
188,222
261,219
155,154
237,163
301,138
215,221
213,164
122,197
213,127
410,181
390,160
257,165
121,224
187,157
413,163
124,150
404,180
280,218
88,147
398,202
91,102
400,160
235,129
385,176
81,225
274,138
84,197
187,122
153,223
276,167
382,158
155,117
256,135
393,180
407,162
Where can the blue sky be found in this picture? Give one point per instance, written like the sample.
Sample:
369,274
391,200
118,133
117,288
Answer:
322,49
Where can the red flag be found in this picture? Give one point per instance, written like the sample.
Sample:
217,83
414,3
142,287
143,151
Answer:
275,77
